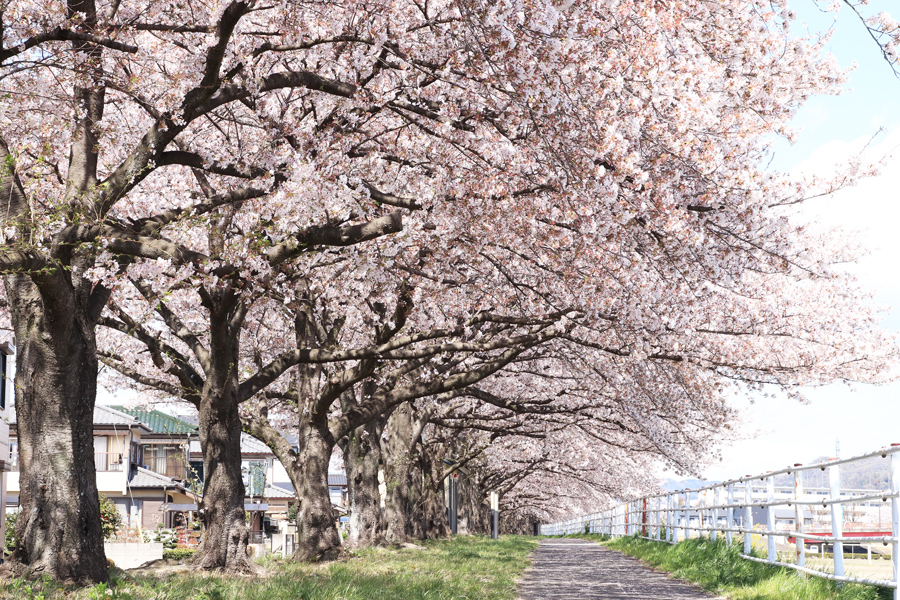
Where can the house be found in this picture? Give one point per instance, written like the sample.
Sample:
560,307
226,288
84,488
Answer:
150,464
137,488
785,518
173,448
337,478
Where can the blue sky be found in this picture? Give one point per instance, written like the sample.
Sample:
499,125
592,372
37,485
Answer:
779,431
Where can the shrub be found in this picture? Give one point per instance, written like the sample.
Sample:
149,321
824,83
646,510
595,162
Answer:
168,538
110,517
10,542
178,553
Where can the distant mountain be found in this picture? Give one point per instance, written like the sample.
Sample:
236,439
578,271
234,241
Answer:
869,474
673,485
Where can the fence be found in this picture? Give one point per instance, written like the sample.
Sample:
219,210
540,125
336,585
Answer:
730,508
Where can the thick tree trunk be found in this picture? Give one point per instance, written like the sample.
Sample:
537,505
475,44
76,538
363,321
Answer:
225,531
58,528
431,509
307,468
396,456
474,509
319,537
362,460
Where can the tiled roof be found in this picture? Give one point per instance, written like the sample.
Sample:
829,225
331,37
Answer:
159,422
337,479
106,415
145,478
334,479
249,445
103,415
276,491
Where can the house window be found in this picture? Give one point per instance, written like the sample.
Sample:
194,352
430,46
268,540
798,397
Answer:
196,472
137,454
165,460
14,455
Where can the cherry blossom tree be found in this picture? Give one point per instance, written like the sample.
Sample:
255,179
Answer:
881,25
597,165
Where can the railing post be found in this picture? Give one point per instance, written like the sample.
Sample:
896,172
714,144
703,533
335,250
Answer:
770,517
895,520
644,518
729,514
701,514
799,543
748,517
678,516
658,519
669,518
635,517
837,518
714,533
628,518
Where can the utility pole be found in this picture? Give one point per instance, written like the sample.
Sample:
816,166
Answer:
495,515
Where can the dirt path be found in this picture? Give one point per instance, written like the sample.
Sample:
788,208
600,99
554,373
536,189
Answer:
572,569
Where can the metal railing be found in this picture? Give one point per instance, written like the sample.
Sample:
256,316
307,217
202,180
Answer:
728,508
108,461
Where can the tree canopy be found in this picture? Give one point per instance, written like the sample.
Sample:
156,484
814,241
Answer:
544,219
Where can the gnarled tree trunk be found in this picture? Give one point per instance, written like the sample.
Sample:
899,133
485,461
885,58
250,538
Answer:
474,509
362,460
398,505
319,537
58,528
307,468
225,531
431,508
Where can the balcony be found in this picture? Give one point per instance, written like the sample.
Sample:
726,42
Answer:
108,461
103,462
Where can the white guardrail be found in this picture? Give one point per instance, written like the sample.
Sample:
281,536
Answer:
729,508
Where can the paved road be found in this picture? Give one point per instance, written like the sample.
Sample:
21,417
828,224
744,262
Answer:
572,569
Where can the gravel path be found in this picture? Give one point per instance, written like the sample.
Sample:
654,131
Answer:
572,569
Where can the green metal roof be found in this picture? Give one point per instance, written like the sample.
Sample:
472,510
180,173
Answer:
159,422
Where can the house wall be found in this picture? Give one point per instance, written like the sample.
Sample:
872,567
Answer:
279,473
110,447
152,515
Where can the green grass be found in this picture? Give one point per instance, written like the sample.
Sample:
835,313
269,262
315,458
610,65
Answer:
464,568
718,568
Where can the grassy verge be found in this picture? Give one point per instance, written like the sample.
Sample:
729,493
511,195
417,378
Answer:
464,568
718,568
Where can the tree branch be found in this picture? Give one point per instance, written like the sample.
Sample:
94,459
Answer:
344,235
60,34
